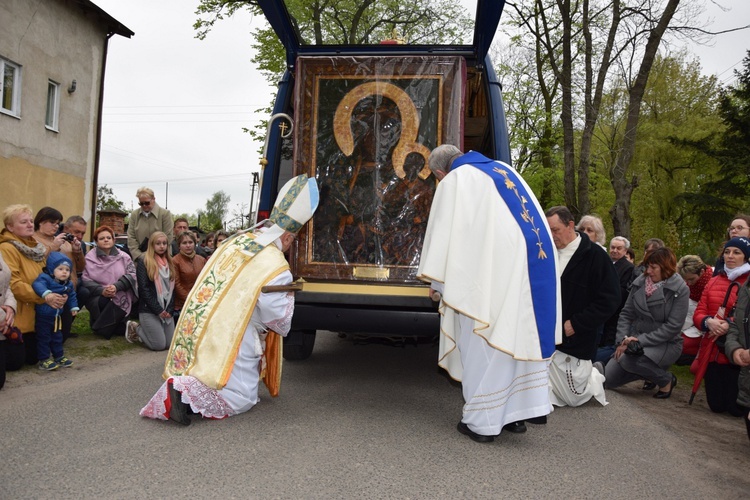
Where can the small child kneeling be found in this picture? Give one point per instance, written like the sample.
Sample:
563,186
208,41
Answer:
54,279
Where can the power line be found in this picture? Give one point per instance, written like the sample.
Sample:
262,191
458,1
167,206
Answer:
181,113
177,181
731,76
191,106
149,160
173,121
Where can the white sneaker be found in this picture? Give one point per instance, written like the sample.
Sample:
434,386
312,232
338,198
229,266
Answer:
131,332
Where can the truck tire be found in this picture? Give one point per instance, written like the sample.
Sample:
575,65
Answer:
298,344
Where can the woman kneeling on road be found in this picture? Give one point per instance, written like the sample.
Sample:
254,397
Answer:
720,379
155,272
648,332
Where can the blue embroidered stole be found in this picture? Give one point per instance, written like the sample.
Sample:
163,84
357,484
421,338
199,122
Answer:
539,253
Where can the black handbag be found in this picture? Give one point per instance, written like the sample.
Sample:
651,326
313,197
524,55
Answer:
106,324
634,348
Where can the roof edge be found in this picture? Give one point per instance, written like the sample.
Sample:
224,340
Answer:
114,27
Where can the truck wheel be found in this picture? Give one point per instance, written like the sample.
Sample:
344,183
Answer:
298,344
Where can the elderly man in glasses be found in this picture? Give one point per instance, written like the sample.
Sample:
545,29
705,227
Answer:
145,220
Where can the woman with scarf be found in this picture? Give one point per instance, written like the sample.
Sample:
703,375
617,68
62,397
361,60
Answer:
738,228
25,257
188,265
696,274
648,331
109,276
156,280
721,376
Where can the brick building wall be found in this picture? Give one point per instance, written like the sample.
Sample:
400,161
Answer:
114,219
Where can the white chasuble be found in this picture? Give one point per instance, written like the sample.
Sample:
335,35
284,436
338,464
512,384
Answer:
479,245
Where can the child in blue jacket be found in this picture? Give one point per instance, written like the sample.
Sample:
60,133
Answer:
54,279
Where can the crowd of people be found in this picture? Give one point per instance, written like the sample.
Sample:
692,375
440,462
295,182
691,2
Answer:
602,322
47,275
618,321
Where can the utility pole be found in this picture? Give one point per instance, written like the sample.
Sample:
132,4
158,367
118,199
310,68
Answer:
253,209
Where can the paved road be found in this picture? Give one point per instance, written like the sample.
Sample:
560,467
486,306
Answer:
353,421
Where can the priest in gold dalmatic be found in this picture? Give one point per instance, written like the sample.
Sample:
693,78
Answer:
214,363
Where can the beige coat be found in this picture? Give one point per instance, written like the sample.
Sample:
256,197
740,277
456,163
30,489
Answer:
142,226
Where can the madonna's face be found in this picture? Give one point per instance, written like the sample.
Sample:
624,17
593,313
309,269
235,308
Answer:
376,125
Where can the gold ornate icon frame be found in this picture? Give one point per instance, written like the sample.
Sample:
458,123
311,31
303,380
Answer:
428,93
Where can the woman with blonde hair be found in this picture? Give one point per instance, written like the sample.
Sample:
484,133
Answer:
26,258
696,274
156,279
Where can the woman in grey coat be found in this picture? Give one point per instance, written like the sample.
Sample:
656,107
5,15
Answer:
653,316
736,349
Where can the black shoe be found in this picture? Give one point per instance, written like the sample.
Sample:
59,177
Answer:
479,438
178,409
648,386
664,395
537,420
515,427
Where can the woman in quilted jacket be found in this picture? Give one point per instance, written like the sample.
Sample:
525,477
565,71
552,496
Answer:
721,376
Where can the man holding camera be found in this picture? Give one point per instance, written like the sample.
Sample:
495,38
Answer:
74,230
145,220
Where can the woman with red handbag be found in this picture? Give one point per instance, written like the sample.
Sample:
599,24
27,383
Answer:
711,316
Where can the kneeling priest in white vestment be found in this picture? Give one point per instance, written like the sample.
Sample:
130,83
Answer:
489,253
214,363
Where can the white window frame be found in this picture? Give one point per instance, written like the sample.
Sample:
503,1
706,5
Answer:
52,113
15,98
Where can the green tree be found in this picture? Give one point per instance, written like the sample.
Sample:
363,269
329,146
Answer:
679,104
582,48
350,22
217,206
719,197
343,22
191,218
106,199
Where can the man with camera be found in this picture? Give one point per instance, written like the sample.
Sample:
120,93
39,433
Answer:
74,230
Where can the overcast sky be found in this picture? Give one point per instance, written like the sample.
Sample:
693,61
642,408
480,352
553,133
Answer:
175,106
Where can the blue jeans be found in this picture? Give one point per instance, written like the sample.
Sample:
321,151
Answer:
604,353
47,339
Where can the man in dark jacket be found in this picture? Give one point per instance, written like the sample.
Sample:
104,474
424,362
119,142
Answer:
618,249
590,296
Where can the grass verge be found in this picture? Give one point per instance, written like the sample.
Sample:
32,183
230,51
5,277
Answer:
89,346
